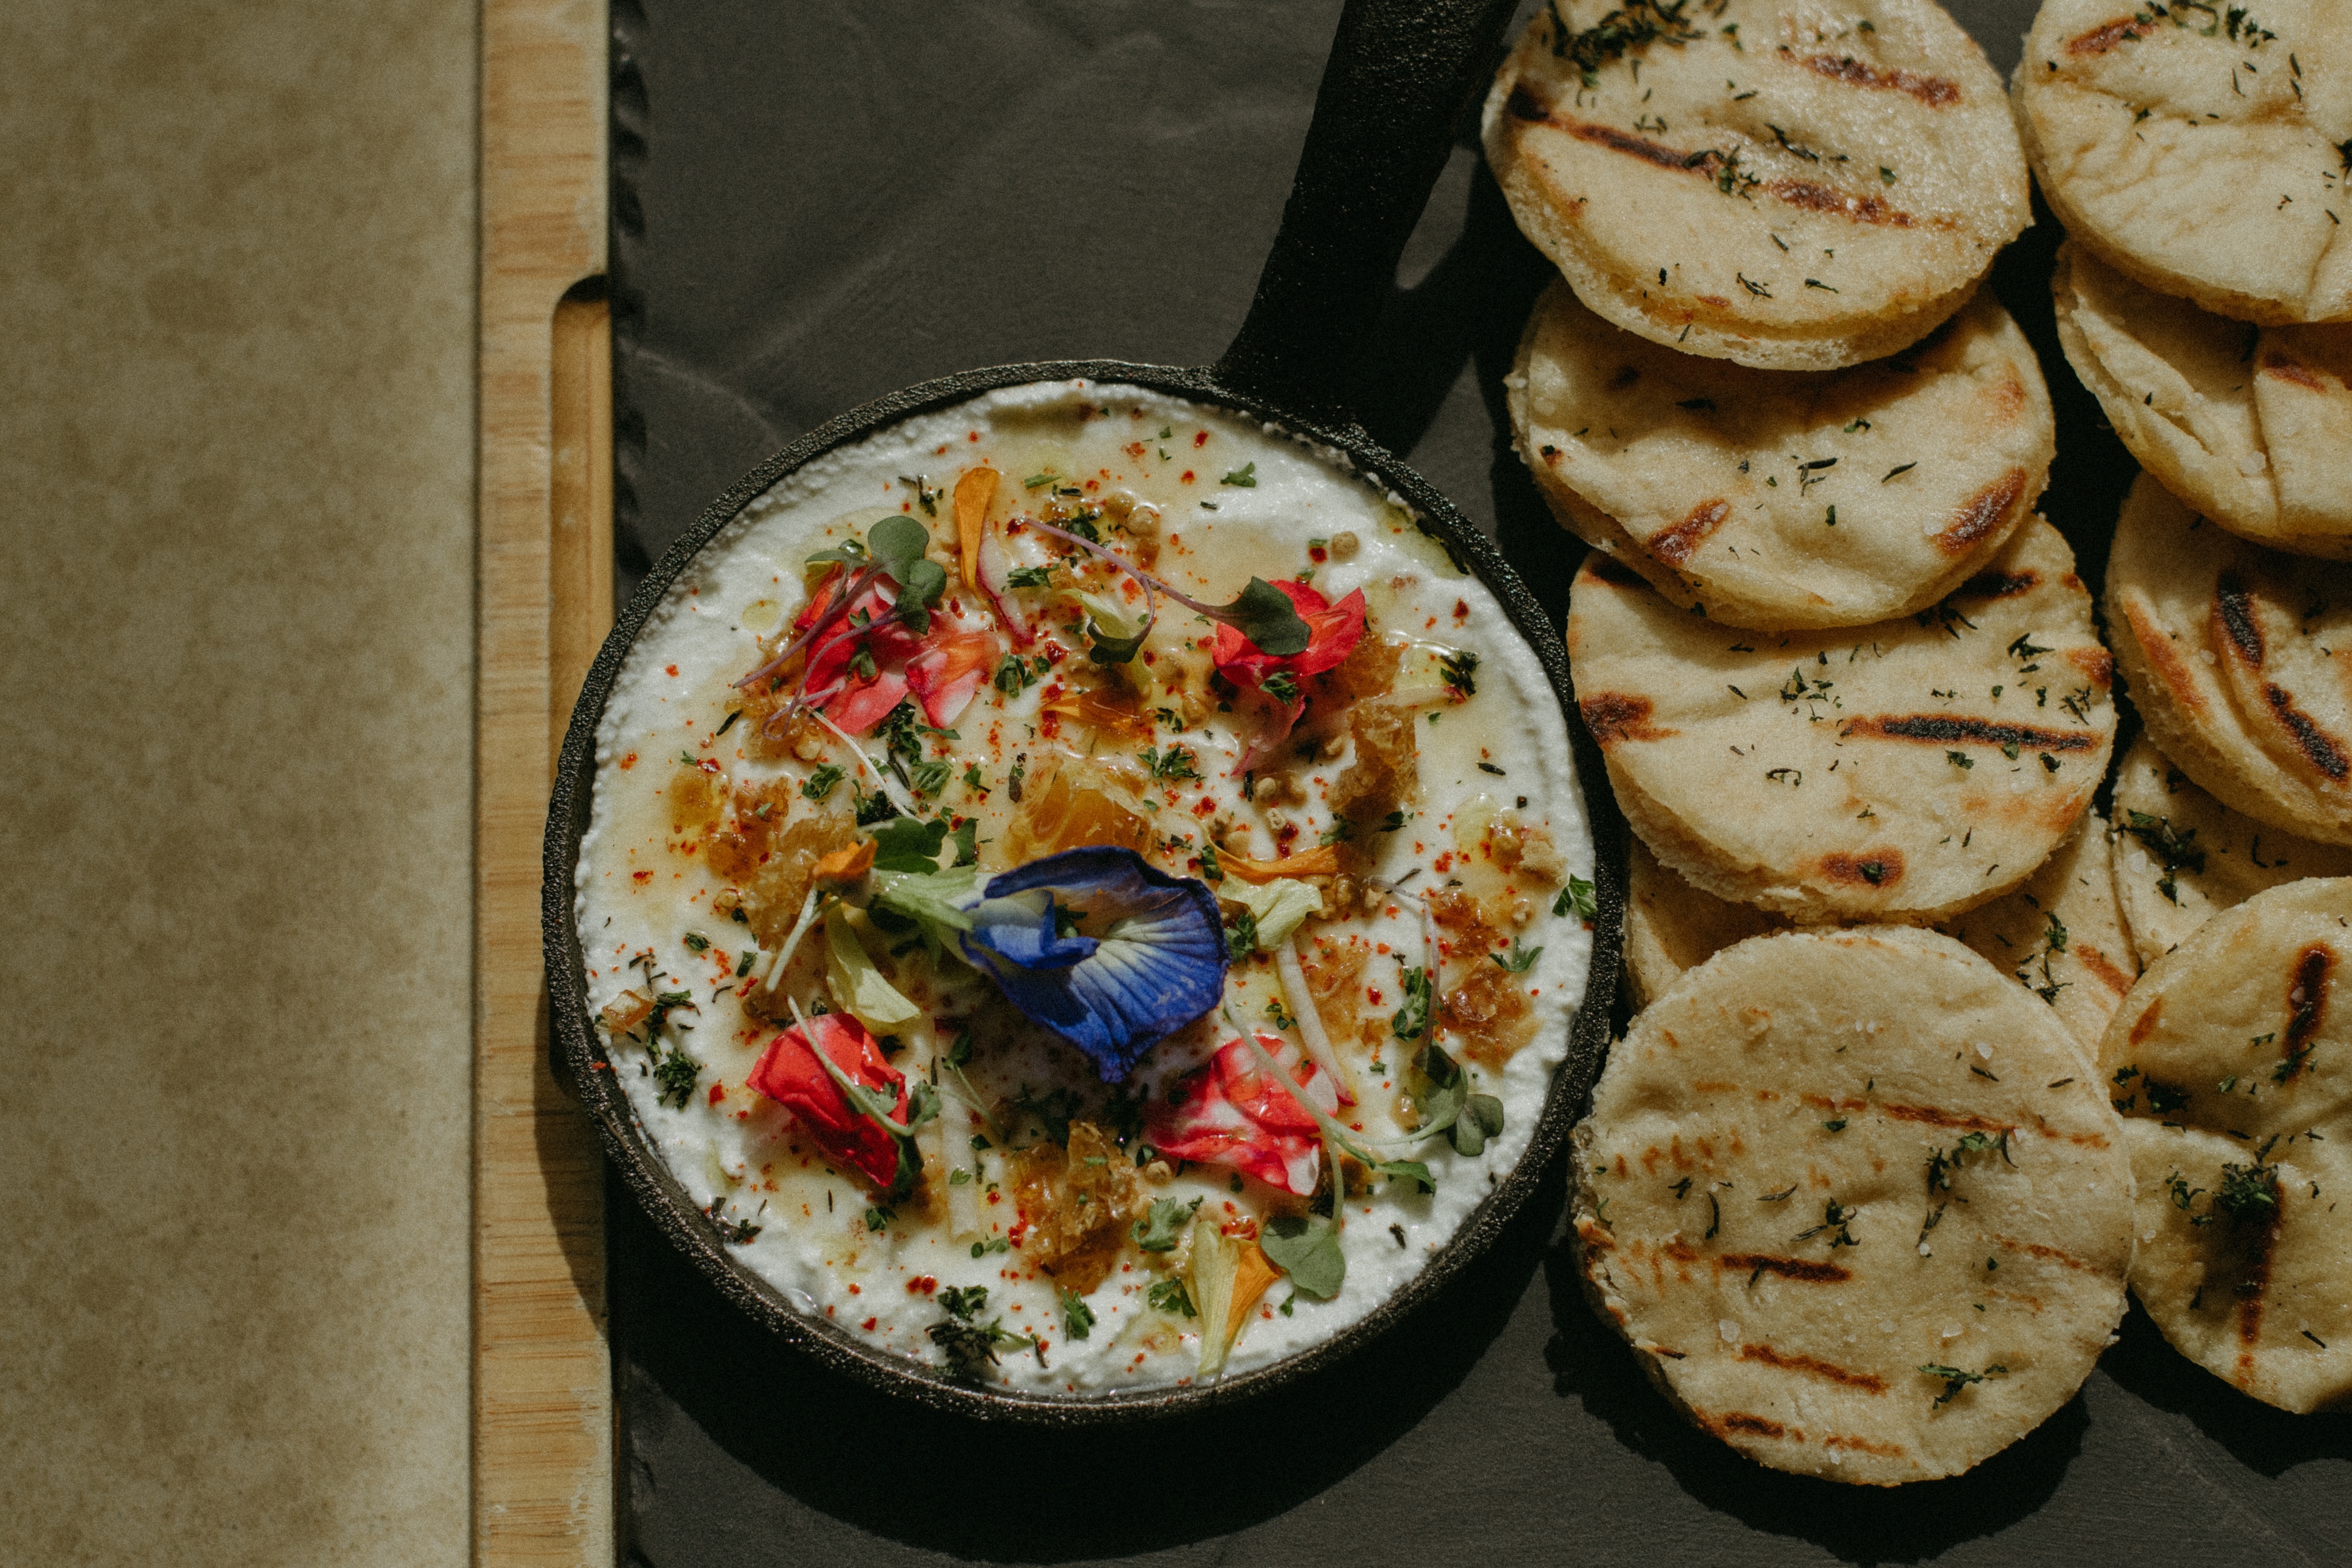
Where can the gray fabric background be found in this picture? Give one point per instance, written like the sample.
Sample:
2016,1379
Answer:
817,202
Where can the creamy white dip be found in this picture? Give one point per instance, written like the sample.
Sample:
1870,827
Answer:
1236,498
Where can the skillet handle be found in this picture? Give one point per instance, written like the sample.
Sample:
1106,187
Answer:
1399,75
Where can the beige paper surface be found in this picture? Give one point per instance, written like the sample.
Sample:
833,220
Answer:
236,551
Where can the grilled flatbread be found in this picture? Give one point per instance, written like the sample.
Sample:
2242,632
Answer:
1908,770
1672,927
1783,189
1857,1202
2251,426
2196,146
2061,936
1780,500
2231,1062
2240,660
2181,856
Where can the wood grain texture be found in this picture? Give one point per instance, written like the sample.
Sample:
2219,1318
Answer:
542,1383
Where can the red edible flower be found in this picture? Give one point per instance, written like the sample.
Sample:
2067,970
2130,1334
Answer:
949,669
789,1074
1332,633
1228,1111
943,667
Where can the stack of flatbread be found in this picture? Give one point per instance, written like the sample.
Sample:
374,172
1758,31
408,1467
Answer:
2197,156
1853,704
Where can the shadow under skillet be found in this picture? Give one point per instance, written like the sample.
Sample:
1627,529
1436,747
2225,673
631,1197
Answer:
782,1451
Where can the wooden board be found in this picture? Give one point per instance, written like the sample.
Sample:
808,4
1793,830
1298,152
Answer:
542,1403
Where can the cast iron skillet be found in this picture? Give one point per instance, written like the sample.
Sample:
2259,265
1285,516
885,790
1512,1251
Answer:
1399,74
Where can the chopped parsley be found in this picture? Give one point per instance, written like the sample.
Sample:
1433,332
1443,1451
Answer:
1578,898
1411,1020
1176,763
1957,1378
1162,1226
1521,959
1459,670
1167,1296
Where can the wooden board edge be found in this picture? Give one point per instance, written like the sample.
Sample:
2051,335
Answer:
541,1426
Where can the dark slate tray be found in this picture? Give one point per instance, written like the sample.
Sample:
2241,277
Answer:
820,201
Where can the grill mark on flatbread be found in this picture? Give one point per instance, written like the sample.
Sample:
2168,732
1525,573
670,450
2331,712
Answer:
2099,964
1949,729
1754,1425
2306,998
1982,512
1612,717
1798,1362
1679,543
2233,614
1808,1269
2286,370
1819,198
1937,1116
1933,91
1877,868
2099,40
1864,1445
2145,1024
1997,585
2036,1249
2163,658
2258,1275
2319,748
1525,105
2096,664
1640,147
1613,572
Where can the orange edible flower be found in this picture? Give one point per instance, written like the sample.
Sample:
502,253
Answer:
1321,861
1251,1276
974,493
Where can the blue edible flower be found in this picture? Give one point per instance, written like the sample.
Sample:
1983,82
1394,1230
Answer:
1158,963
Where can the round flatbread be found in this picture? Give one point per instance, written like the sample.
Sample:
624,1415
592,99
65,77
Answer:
1672,927
2240,660
1780,500
2181,856
2251,426
2061,936
1776,188
1857,1202
1907,770
2231,1062
2197,147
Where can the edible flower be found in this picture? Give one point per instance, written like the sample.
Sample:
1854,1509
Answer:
975,492
1332,633
857,674
1261,616
1278,906
1229,1274
1321,861
869,637
856,983
1229,1112
1158,963
851,1136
